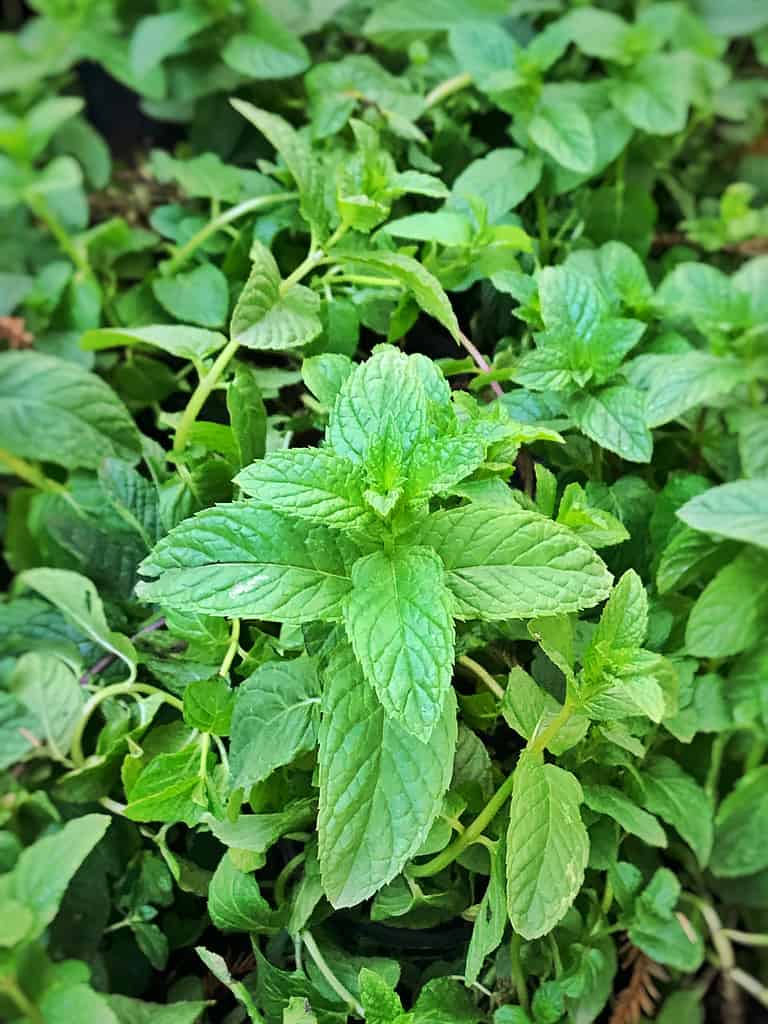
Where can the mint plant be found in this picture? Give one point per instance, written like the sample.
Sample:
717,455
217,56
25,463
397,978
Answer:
383,509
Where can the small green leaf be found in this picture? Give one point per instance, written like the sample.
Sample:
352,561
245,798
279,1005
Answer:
633,819
166,787
235,902
208,705
270,316
563,130
199,297
615,418
247,414
178,340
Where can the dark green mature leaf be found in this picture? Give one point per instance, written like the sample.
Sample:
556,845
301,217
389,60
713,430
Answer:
275,719
740,823
54,411
199,297
247,414
256,833
235,902
669,791
380,787
398,619
547,847
244,560
611,801
507,564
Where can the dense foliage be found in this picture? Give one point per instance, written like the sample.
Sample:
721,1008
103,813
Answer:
384,454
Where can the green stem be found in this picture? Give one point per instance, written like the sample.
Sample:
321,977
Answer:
482,674
314,951
746,938
30,474
518,974
229,657
66,243
181,255
205,746
11,988
115,690
201,393
282,879
755,755
543,222
715,761
473,831
366,279
447,88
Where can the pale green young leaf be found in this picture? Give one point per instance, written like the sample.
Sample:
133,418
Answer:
633,819
55,411
615,418
444,227
630,689
547,847
737,510
325,374
438,464
379,1000
502,179
380,787
235,902
309,483
514,564
78,600
398,618
269,316
242,560
276,718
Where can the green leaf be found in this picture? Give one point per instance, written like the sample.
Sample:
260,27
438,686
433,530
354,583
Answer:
61,1004
256,833
753,442
633,819
444,227
54,411
166,787
78,600
423,286
242,560
138,1011
439,464
738,510
208,705
740,827
247,414
616,419
657,930
325,374
673,384
158,36
297,154
275,719
655,93
44,869
380,787
49,687
178,340
491,921
513,564
624,620
217,965
269,315
740,587
526,708
668,790
200,296
547,847
266,49
501,179
398,618
445,999
235,902
379,1000
563,130
309,483
704,295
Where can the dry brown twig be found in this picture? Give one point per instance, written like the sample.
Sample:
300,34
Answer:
641,994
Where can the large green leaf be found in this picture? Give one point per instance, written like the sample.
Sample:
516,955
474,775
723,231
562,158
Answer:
729,614
740,826
547,847
55,411
514,564
380,787
235,902
243,560
563,130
